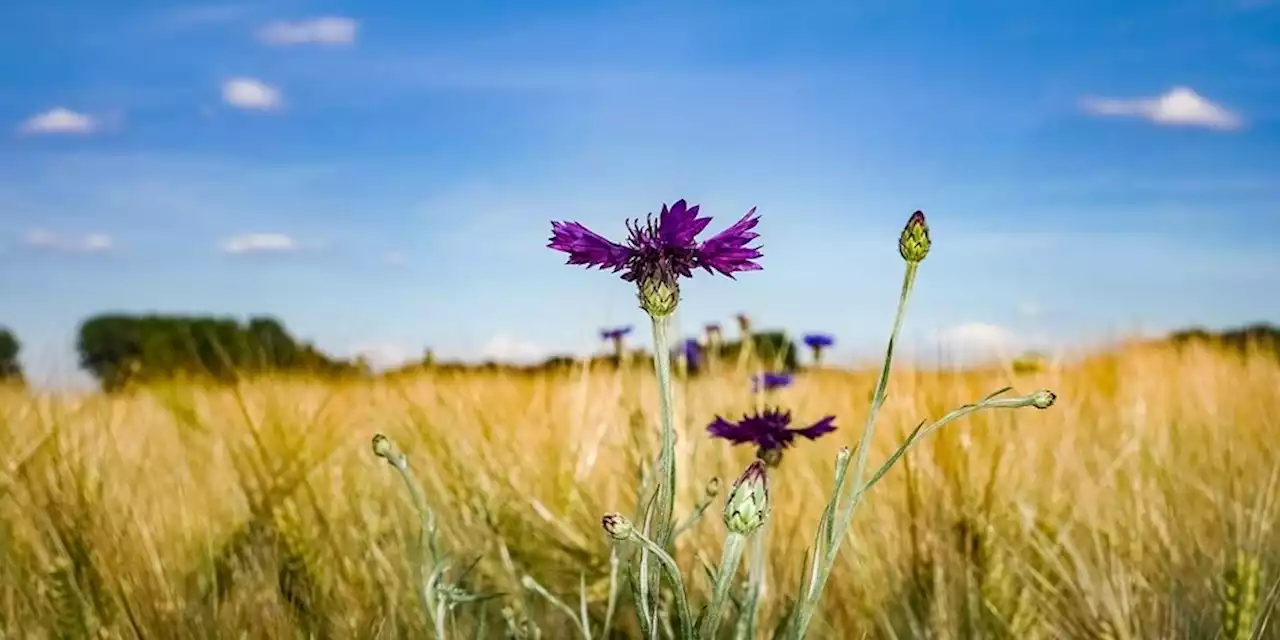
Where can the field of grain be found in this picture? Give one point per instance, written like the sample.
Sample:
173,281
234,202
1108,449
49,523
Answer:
1141,505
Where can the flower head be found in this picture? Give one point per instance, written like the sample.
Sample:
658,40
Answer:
819,340
662,250
713,331
747,506
769,380
615,333
769,430
692,352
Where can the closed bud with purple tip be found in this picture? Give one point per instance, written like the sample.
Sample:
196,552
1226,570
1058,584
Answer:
914,243
1043,399
382,446
617,526
747,506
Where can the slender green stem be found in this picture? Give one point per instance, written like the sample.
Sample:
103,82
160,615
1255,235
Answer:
529,583
426,542
667,457
673,571
755,584
659,523
613,593
694,517
921,433
729,561
806,609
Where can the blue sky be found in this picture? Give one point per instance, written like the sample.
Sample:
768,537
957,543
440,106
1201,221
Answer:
381,176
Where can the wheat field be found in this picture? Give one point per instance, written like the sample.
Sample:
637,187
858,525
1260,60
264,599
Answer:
1141,505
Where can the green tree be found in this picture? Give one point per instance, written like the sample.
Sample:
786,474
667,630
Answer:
10,365
120,349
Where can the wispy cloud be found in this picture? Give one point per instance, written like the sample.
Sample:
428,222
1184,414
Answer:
1180,106
385,355
46,240
395,259
259,243
976,341
58,120
507,348
250,93
324,30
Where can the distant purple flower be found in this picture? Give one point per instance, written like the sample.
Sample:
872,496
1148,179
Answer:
770,381
615,333
663,250
769,430
819,340
692,353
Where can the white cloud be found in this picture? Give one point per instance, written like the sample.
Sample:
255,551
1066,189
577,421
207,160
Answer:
259,243
321,30
58,120
507,348
249,93
976,341
1180,106
51,241
385,355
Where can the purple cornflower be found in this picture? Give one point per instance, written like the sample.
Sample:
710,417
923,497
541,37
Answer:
692,354
615,334
819,340
663,250
770,430
769,380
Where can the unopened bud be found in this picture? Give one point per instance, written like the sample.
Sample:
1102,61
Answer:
617,526
713,488
747,506
914,243
1043,399
382,446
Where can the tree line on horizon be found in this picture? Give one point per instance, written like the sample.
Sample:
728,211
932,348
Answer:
120,350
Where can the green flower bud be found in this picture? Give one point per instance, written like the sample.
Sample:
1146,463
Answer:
747,506
1043,399
382,446
914,243
713,488
617,526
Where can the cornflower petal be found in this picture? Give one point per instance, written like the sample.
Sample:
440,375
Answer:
679,225
727,252
587,247
818,429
